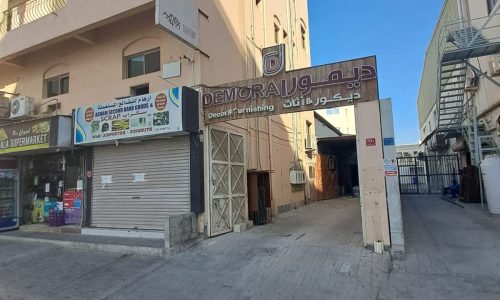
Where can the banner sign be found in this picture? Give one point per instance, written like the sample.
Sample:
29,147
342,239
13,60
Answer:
138,116
23,136
179,17
333,85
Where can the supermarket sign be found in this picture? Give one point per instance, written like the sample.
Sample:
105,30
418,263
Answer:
25,136
40,134
135,117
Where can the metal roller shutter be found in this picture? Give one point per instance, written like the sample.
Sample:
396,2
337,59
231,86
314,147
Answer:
142,205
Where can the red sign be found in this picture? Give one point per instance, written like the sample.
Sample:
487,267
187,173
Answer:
391,173
371,142
72,196
89,114
161,102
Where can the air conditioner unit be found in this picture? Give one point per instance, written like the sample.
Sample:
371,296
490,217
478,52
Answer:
471,82
495,65
309,143
297,177
22,106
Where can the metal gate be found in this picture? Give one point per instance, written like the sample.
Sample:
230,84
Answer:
427,174
228,196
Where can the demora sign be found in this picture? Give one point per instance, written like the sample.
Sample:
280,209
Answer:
327,86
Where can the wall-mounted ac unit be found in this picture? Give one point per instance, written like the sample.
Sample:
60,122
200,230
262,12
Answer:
471,82
297,177
309,143
22,106
495,65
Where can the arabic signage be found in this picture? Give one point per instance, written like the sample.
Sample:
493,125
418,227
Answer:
390,167
25,136
179,17
371,142
327,86
139,116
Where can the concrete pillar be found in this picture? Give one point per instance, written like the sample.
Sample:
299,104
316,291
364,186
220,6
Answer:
391,179
371,174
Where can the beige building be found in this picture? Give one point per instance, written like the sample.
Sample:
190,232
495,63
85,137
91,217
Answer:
460,86
459,98
343,118
66,54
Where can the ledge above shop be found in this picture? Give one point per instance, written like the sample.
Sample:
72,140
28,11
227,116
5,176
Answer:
37,136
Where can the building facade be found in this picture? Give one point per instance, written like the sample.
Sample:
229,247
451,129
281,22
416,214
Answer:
459,98
64,55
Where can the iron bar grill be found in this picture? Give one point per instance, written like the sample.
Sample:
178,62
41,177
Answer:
427,174
28,12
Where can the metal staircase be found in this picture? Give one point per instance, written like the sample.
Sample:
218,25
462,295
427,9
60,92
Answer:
452,77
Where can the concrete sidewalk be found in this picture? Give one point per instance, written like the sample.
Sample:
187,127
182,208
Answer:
451,252
313,252
139,246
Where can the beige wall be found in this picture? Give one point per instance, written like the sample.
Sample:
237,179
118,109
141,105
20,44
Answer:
230,42
371,174
342,118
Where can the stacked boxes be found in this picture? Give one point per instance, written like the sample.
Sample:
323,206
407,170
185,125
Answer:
72,206
56,218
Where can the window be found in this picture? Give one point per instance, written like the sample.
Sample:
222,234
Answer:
491,5
143,63
139,90
56,86
303,36
312,172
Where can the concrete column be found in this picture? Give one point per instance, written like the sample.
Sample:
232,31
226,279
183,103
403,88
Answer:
391,178
371,174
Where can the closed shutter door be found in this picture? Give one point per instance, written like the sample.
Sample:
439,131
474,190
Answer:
126,204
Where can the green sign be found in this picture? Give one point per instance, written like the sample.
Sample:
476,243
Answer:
23,136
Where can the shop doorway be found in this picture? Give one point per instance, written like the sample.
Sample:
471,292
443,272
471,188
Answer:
337,167
228,203
259,198
48,180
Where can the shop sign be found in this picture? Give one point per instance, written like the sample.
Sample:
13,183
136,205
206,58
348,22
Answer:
390,167
139,116
23,136
180,18
371,142
389,141
327,86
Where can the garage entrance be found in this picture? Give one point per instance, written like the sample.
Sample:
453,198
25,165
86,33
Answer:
338,162
343,164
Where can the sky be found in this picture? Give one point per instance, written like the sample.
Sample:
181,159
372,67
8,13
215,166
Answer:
398,32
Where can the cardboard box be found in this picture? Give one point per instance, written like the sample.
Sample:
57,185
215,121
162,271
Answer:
72,215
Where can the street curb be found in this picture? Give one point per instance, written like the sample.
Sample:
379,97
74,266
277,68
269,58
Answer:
99,247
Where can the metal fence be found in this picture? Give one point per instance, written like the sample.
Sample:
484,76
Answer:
28,12
427,174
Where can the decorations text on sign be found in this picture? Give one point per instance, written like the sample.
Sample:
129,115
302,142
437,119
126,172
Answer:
327,86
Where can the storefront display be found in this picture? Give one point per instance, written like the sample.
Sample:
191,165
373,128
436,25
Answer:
8,199
49,181
145,153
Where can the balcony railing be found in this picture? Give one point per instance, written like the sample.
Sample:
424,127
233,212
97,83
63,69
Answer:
28,12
